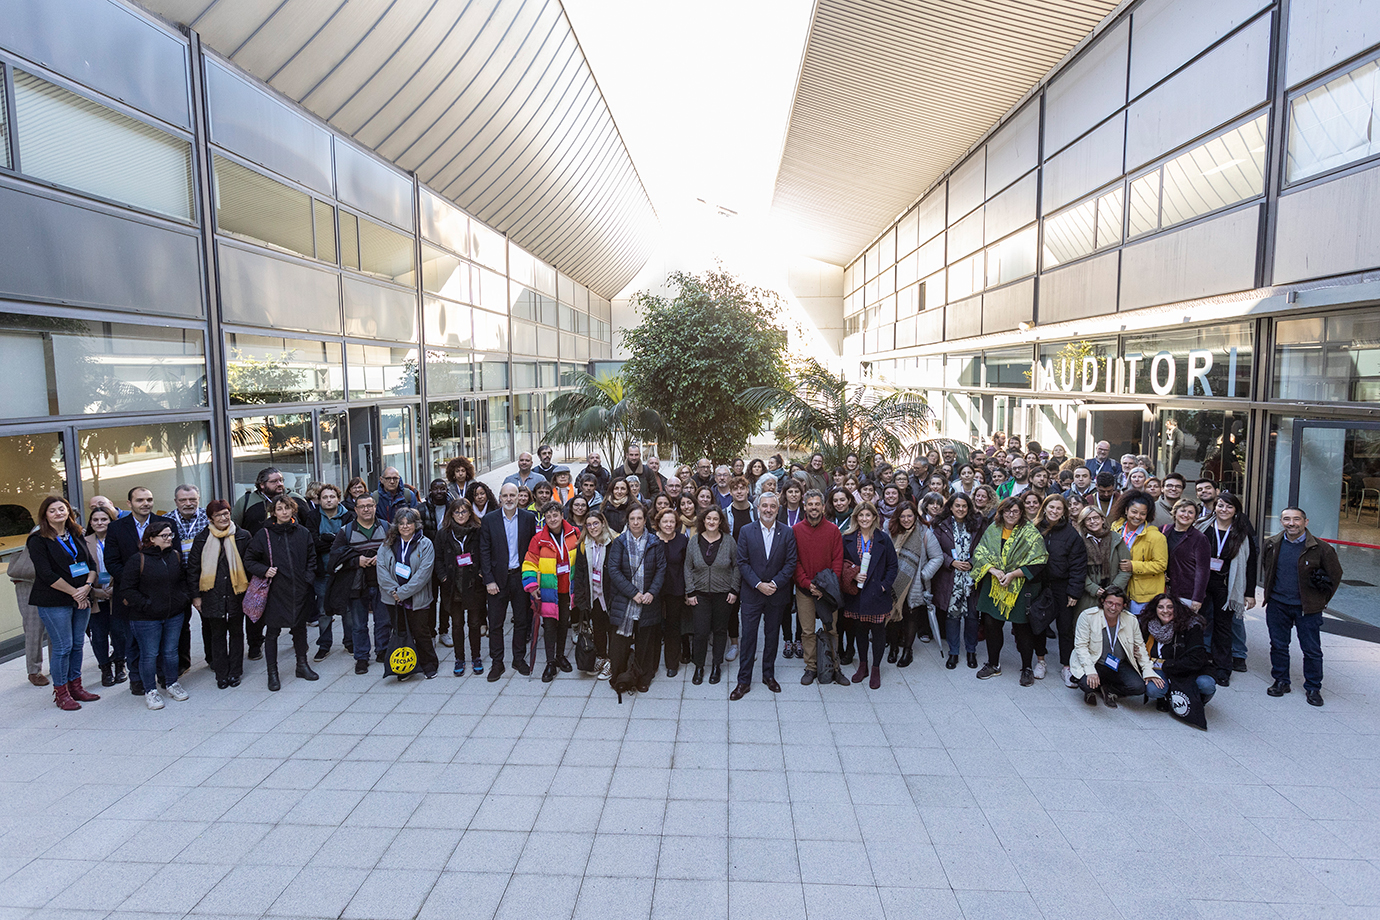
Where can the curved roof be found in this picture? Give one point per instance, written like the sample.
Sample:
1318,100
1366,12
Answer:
490,102
892,92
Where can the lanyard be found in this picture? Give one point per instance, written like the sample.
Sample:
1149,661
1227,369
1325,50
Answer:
69,545
1111,638
406,549
559,540
864,546
1221,541
1129,536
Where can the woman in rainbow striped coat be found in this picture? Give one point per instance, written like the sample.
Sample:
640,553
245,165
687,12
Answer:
546,576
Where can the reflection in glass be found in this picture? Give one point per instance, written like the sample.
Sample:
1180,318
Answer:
385,253
282,441
1009,368
444,274
490,331
159,456
500,443
444,223
264,210
1328,358
1216,174
1208,361
31,468
448,372
1070,234
1012,258
1202,443
447,323
325,230
525,422
1109,218
332,446
1145,204
1335,124
397,442
264,370
381,370
446,434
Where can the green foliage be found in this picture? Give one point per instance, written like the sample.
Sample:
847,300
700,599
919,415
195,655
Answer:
694,353
603,411
819,411
261,381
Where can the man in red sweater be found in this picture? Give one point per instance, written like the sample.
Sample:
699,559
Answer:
819,546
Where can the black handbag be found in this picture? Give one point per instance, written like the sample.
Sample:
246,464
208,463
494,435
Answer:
585,657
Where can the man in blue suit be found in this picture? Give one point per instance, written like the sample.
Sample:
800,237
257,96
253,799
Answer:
766,559
503,541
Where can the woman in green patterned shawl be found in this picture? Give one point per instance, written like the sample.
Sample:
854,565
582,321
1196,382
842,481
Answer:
1009,560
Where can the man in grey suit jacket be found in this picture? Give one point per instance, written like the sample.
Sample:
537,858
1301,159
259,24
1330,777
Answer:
766,559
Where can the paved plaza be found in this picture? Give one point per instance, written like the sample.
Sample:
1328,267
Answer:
936,796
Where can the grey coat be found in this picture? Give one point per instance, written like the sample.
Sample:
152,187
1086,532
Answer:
723,577
920,554
418,584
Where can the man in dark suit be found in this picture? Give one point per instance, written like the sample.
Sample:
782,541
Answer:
122,548
503,541
766,559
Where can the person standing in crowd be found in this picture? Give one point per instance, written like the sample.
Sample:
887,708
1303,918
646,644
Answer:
503,539
594,466
767,561
21,575
966,481
1102,462
816,476
218,580
872,557
392,495
525,478
636,572
633,466
919,557
459,478
461,588
330,518
1173,637
723,492
108,632
546,576
687,515
354,582
676,626
354,490
406,561
544,465
617,505
985,503
754,472
153,592
704,474
1010,559
954,590
589,593
589,491
253,511
1082,484
284,552
1104,496
64,577
1171,490
712,580
658,481
1231,581
561,489
1301,575
1109,654
792,502
433,509
1207,491
839,507
190,520
1105,553
482,500
1149,551
1019,481
1065,576
819,547
124,544
1186,577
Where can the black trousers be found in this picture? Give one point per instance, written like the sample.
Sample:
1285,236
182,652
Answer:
712,613
675,617
299,643
1124,681
996,638
555,630
865,633
1221,618
419,624
225,635
1067,624
510,596
645,644
255,633
458,612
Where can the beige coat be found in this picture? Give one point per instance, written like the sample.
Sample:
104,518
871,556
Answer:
1087,642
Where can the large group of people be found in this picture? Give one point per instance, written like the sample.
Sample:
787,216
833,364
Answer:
1141,582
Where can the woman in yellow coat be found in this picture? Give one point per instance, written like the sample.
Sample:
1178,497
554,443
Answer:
1149,551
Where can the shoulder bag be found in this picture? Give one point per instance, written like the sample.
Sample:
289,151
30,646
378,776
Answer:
256,595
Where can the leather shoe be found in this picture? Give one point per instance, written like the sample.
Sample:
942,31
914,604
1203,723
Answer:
861,674
740,691
1109,698
891,655
496,671
1238,665
952,662
672,672
808,677
361,666
1314,697
256,652
907,656
522,667
1223,677
548,675
715,675
972,660
564,664
841,680
772,685
699,676
1278,688
38,680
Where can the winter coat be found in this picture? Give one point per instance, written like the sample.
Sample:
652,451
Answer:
1316,555
1066,572
153,585
546,566
1186,655
417,587
1103,567
723,577
52,563
1189,567
873,602
1149,560
919,557
294,555
942,583
461,587
221,601
619,587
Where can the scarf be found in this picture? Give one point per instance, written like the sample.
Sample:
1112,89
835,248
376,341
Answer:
637,555
963,581
218,541
1026,546
1163,632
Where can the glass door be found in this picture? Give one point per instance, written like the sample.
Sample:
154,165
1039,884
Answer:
332,444
1121,427
397,443
1335,479
259,441
32,467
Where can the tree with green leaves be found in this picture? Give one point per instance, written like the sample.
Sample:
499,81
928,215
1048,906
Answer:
819,411
694,353
601,409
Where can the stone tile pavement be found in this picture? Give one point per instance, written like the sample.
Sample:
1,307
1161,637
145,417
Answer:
937,796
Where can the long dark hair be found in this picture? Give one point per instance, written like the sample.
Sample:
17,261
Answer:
894,526
1237,535
1184,617
971,522
73,528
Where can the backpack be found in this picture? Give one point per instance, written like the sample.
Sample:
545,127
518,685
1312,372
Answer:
826,661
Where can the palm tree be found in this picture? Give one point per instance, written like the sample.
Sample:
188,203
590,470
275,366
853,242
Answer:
822,412
601,410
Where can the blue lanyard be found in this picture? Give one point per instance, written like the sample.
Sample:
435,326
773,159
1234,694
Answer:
69,545
864,546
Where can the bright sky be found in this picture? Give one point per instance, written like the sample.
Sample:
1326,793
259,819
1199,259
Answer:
701,93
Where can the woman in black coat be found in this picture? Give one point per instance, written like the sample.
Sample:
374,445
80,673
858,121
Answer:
870,607
462,589
154,598
64,575
1064,578
635,602
284,553
218,590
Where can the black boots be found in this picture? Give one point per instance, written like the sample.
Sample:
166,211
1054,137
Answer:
304,670
907,656
715,675
699,675
107,676
274,683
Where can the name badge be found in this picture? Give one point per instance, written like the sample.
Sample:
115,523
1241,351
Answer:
1216,565
103,579
562,570
1113,662
463,559
79,569
186,547
596,577
402,571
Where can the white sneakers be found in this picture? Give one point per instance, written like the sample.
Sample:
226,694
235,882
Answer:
446,640
732,651
1068,677
605,670
152,700
176,691
1039,669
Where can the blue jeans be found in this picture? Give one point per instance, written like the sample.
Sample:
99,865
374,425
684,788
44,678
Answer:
1238,638
968,627
1206,687
1282,619
66,628
360,608
157,645
326,636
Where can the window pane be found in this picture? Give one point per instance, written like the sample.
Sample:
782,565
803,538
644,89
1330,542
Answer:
385,253
1329,359
1335,124
1109,218
34,468
448,372
72,141
965,277
445,224
264,370
325,231
487,247
77,367
492,373
490,292
4,125
159,457
264,210
282,441
500,448
380,370
490,331
524,375
1223,171
1145,204
524,338
447,324
1012,258
1069,234
349,240
444,274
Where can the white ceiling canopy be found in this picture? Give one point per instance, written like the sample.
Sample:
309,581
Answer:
892,92
490,102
